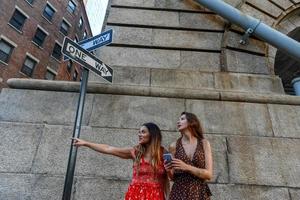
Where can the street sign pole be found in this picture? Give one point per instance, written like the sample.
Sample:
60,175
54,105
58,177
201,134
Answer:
76,134
82,56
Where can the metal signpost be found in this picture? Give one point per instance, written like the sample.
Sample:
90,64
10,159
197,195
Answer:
79,53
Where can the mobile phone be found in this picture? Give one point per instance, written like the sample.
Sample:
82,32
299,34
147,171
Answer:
167,157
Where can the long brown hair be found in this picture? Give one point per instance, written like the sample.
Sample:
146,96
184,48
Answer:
155,147
194,125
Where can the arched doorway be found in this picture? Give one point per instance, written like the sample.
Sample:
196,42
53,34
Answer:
286,67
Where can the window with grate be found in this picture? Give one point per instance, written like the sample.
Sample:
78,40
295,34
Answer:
28,66
39,37
5,51
30,1
50,75
56,53
64,27
48,12
17,20
71,7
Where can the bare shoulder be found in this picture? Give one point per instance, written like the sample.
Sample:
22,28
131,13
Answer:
206,144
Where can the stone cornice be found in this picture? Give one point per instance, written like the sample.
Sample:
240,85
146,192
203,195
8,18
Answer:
200,94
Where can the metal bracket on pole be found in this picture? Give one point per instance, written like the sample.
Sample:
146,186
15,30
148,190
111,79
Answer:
248,33
245,37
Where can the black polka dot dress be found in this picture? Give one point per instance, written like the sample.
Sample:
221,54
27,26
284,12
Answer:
187,186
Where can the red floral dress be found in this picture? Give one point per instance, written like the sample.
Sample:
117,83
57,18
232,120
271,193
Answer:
146,185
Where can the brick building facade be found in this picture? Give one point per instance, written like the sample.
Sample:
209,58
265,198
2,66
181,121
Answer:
31,37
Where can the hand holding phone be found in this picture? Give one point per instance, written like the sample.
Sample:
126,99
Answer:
167,157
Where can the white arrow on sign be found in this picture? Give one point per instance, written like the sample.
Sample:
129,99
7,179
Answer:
86,59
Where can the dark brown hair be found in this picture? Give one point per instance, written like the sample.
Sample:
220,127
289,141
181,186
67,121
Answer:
155,146
194,125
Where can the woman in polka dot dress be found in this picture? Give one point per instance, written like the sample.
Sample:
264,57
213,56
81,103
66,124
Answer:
149,181
191,166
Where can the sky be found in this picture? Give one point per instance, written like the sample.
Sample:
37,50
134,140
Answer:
96,12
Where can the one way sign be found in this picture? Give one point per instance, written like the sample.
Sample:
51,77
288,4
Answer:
86,59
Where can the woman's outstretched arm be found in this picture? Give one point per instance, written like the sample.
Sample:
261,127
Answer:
124,153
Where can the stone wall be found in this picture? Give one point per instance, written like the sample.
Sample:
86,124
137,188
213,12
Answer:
167,56
255,145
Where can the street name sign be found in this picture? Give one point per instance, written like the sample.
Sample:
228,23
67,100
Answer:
95,42
86,59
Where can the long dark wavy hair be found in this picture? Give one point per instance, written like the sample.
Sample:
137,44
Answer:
155,147
194,125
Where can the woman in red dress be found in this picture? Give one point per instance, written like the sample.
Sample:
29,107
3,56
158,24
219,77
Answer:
149,181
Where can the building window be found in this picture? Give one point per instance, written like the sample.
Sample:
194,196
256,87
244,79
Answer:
69,66
48,12
84,35
80,23
28,66
64,27
30,1
39,37
75,75
17,20
56,53
5,51
71,7
50,75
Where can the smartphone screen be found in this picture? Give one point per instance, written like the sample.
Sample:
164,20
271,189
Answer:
167,157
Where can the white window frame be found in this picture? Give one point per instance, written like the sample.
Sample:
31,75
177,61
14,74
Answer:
44,30
55,10
31,4
21,11
51,6
52,70
3,37
68,23
76,4
8,40
31,57
38,26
